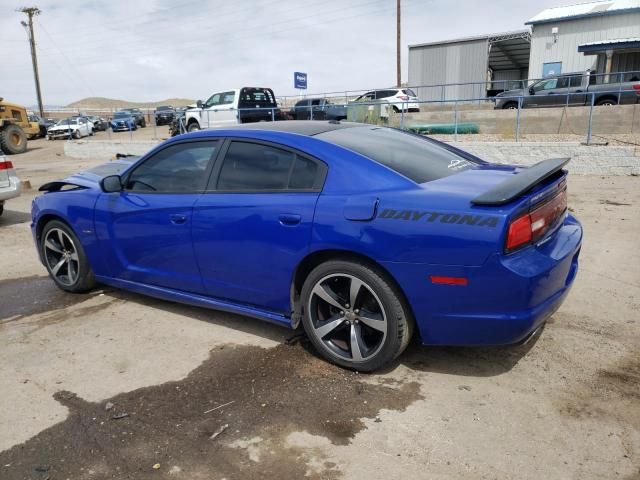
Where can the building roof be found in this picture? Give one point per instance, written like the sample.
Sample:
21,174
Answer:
614,44
584,10
491,38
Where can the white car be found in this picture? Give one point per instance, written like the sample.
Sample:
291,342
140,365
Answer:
75,127
10,186
401,99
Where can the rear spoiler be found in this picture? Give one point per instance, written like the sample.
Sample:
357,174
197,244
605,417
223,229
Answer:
521,182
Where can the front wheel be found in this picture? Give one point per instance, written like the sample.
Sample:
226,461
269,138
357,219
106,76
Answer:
65,259
510,106
607,102
193,127
354,315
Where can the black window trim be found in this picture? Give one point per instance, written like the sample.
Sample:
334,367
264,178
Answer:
152,154
212,184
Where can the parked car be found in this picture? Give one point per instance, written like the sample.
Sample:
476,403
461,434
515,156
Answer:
360,233
43,123
400,99
571,89
230,107
99,124
164,115
10,185
137,114
317,109
123,121
73,127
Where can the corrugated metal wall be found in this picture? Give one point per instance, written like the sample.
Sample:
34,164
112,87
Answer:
572,33
448,63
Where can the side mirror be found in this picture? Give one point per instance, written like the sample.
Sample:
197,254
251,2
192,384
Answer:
199,103
532,91
112,183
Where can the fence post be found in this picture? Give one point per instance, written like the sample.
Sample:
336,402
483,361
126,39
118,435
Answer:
442,93
518,119
155,132
402,116
593,97
273,115
455,121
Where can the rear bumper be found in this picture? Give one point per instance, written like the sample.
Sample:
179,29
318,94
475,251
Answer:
506,299
12,190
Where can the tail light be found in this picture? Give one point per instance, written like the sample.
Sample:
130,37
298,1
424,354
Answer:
531,226
636,87
403,97
6,165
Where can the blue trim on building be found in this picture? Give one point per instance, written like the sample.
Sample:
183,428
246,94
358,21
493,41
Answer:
600,47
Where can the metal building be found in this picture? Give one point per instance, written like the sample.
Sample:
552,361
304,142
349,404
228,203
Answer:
503,56
602,36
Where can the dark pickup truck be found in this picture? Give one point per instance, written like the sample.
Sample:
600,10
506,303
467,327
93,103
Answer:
317,109
572,89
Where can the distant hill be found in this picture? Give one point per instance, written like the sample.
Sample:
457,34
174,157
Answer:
108,103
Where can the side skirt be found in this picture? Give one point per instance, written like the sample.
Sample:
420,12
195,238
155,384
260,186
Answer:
195,300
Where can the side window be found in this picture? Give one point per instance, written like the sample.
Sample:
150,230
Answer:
563,82
255,167
179,168
213,100
576,82
227,98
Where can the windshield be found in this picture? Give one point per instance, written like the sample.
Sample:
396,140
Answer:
68,121
164,108
122,115
413,156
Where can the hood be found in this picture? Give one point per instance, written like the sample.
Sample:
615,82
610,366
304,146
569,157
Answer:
122,120
90,178
63,127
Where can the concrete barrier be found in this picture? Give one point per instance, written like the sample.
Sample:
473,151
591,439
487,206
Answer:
105,149
585,159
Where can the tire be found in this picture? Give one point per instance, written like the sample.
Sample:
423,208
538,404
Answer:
76,134
13,140
1,208
607,102
73,274
510,106
193,127
396,109
379,339
143,123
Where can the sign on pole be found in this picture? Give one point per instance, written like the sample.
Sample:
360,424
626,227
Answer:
300,80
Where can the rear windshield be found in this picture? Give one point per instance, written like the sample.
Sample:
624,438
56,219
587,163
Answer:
415,157
409,92
256,97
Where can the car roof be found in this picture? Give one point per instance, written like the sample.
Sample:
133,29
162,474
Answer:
301,127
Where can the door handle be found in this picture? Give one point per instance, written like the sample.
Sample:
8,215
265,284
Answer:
289,219
178,219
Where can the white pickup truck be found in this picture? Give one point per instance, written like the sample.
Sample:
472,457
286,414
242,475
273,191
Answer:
230,107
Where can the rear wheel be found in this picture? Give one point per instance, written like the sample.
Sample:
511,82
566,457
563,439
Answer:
193,126
143,123
13,139
510,106
607,102
354,316
65,259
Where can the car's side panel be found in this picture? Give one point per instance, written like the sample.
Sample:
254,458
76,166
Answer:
146,238
248,244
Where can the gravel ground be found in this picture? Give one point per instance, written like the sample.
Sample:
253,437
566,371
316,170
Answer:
564,406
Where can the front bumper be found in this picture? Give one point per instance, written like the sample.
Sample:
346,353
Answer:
121,128
60,134
506,299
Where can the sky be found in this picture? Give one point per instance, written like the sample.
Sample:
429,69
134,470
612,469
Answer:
149,50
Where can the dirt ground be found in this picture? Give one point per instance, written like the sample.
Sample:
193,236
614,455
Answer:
116,385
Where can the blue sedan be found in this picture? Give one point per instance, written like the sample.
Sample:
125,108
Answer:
364,235
123,122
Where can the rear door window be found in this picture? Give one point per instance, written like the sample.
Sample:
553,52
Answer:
257,98
413,156
254,167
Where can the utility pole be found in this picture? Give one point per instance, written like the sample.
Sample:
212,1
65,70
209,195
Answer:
31,12
398,76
